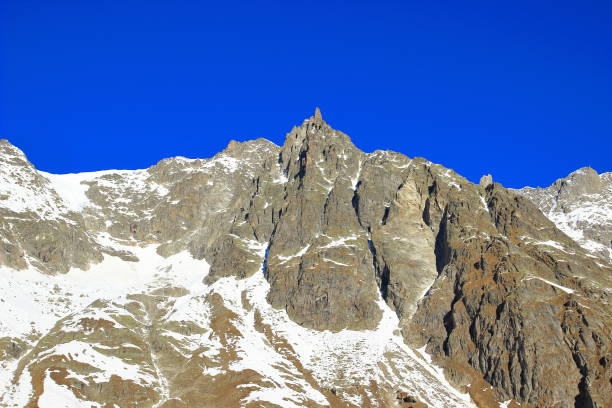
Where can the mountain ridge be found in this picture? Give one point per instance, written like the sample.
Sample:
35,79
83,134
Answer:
388,266
578,206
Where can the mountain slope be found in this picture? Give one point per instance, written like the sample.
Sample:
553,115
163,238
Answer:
581,206
311,274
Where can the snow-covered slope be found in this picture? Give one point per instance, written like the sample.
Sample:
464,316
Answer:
136,320
581,206
83,317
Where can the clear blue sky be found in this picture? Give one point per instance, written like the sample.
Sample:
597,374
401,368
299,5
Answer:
519,89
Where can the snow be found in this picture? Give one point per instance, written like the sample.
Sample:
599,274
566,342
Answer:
254,349
484,203
354,355
21,392
425,291
223,161
590,212
563,288
404,166
70,188
448,174
582,216
22,190
505,404
330,183
340,241
423,353
550,243
59,396
281,177
355,180
37,301
298,254
106,366
335,262
275,397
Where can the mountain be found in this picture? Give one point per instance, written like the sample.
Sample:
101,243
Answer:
306,275
581,206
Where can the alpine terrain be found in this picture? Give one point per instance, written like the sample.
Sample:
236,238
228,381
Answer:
305,275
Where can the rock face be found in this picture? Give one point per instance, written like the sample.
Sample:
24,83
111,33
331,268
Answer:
311,274
581,206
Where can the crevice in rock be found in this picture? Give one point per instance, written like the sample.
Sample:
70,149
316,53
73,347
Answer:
442,249
303,159
381,272
385,216
499,310
264,265
426,215
583,399
384,282
449,321
355,203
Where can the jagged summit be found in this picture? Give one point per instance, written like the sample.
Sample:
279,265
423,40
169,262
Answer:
579,204
317,115
316,121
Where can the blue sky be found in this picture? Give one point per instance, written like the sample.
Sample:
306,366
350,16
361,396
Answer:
522,90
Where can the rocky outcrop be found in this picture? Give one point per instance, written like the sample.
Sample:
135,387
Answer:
498,306
36,227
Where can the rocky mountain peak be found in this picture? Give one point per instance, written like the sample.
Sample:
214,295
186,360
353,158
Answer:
317,115
317,150
317,131
313,128
10,152
307,275
232,145
582,181
245,149
580,204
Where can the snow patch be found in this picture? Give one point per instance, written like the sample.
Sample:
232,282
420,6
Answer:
563,288
300,253
59,396
341,241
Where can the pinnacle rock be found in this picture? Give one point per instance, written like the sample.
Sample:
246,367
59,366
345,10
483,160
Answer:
486,180
317,115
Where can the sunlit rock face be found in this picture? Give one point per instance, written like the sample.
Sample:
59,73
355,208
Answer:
307,275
